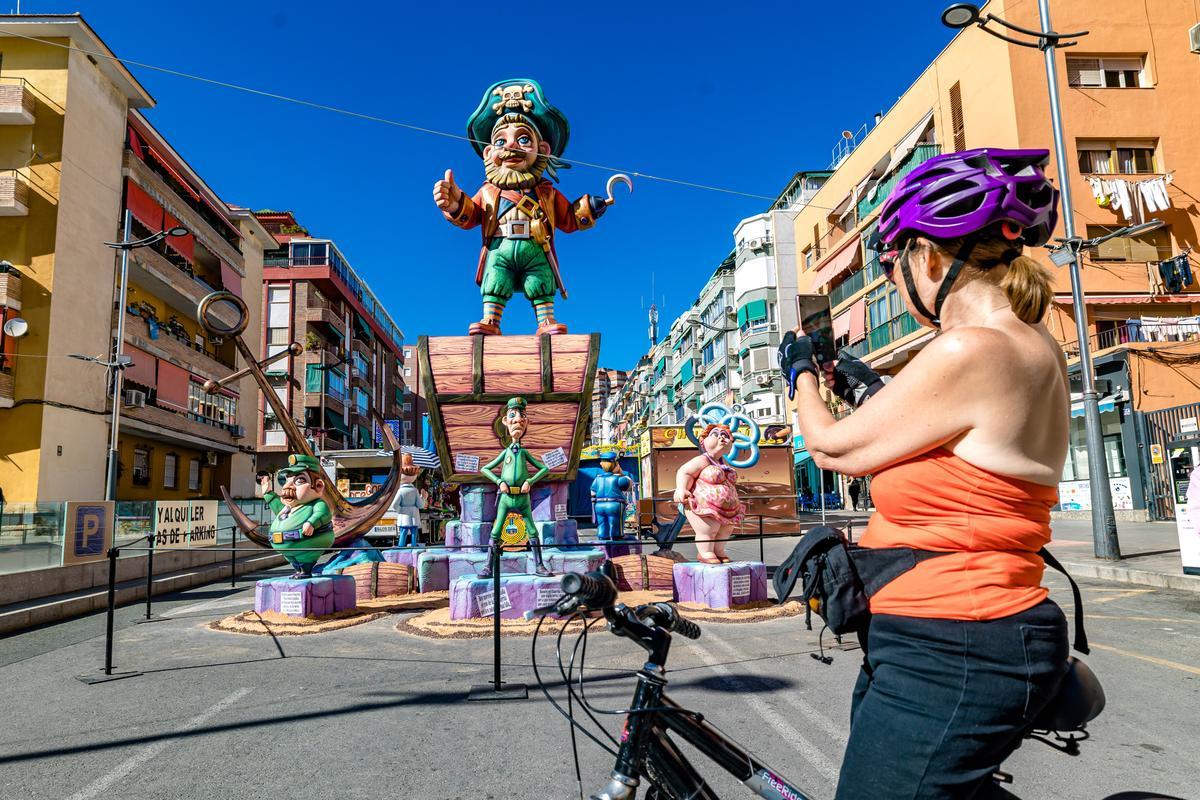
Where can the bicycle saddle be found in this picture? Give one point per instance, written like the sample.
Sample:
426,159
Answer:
1079,700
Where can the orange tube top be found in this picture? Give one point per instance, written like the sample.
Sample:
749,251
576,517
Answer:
992,525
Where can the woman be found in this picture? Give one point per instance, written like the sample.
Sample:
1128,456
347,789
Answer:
706,489
966,444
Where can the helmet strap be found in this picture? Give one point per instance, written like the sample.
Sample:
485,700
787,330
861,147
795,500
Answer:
960,260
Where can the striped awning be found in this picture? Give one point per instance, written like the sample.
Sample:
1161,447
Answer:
421,457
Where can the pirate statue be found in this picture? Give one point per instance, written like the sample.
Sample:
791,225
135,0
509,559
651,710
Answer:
520,137
608,498
515,484
303,524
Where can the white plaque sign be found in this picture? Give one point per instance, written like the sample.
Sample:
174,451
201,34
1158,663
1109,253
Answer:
555,458
291,603
739,585
484,601
464,463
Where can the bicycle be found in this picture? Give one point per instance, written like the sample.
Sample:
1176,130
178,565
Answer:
645,750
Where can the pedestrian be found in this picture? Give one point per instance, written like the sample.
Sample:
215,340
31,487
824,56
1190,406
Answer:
854,490
966,444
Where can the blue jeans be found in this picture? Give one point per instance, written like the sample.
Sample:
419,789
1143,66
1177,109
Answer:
940,704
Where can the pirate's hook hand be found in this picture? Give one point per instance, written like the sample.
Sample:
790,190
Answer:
612,182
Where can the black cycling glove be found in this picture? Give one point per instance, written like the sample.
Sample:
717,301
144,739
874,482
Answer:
795,357
854,381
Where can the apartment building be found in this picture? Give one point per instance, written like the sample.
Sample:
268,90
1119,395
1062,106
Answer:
1128,93
354,359
607,384
763,297
79,154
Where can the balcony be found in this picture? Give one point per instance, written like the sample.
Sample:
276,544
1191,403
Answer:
333,400
199,359
16,102
855,283
172,283
1132,335
180,426
321,312
14,194
890,331
919,155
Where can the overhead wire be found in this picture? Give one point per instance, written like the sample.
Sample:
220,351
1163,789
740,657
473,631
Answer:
378,119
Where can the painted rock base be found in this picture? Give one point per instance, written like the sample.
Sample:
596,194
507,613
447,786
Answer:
305,597
720,585
474,597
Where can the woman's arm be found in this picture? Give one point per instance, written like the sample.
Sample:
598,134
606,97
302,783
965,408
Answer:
927,404
685,479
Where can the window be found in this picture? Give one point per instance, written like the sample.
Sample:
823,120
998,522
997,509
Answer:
883,305
361,365
1107,73
1076,466
958,129
337,384
193,475
141,466
408,372
361,401
212,409
1120,157
170,465
1149,246
313,378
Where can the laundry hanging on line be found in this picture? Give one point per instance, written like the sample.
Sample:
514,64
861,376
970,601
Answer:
1129,198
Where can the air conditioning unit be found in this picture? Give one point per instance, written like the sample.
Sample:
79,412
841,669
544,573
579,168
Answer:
1194,38
730,311
239,431
135,398
754,244
763,380
700,371
210,458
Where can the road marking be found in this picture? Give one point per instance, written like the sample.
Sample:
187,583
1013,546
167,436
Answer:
150,751
1119,596
1142,619
831,728
807,749
1162,662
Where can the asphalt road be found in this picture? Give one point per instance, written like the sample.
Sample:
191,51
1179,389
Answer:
368,712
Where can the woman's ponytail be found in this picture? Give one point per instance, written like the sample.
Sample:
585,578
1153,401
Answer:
1028,286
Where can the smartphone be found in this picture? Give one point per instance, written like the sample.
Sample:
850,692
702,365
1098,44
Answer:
816,322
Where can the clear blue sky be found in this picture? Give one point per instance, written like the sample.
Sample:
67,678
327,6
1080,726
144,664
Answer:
738,95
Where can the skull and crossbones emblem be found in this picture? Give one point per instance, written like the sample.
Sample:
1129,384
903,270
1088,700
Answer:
512,97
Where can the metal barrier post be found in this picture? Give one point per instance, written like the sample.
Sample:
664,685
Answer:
149,584
761,557
108,674
497,689
233,559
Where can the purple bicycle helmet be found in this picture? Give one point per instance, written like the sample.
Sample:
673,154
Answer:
958,194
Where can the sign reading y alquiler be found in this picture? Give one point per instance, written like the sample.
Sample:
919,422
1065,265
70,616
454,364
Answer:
185,523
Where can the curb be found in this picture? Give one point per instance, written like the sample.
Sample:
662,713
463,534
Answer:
1142,577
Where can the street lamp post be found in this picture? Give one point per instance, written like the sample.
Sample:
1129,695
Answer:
963,15
120,361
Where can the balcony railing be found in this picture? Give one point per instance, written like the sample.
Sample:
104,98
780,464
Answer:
890,331
919,155
1139,332
14,194
855,283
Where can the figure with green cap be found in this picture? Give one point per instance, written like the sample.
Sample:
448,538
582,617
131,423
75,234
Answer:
303,525
521,138
608,498
515,483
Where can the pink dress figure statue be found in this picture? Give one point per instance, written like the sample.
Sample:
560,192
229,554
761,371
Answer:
706,488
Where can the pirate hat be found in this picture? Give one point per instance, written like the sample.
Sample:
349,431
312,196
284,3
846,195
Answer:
524,98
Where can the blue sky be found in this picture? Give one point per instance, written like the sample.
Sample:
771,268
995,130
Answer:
736,95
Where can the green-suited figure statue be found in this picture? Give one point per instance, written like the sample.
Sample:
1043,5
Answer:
513,505
303,524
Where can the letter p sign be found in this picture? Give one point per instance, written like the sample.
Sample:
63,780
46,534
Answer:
90,525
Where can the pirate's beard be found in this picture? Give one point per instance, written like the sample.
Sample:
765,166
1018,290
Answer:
509,178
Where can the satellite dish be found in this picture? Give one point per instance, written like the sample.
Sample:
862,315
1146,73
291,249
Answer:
16,328
847,135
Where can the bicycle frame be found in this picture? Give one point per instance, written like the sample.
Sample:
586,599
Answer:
645,740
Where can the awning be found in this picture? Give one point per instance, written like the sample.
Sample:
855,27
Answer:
1128,299
143,207
184,245
755,309
1107,403
230,279
143,369
839,262
841,325
172,386
858,320
422,458
685,373
906,145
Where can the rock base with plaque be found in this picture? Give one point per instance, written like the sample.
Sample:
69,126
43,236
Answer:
472,598
720,585
305,597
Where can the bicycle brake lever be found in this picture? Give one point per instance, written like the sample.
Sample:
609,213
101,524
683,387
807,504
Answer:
564,605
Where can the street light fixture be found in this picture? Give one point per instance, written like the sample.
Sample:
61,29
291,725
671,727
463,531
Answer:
963,15
120,360
693,318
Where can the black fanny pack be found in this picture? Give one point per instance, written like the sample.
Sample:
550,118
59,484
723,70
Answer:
839,578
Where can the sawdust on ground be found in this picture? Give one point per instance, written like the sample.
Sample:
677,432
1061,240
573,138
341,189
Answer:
270,623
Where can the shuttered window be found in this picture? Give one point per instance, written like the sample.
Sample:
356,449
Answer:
957,125
1107,73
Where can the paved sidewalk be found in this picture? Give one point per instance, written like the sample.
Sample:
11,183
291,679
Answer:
1149,550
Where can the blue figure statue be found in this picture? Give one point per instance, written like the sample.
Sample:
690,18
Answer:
608,498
